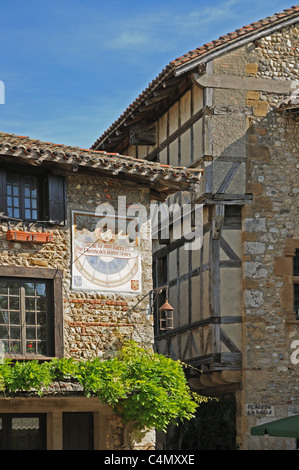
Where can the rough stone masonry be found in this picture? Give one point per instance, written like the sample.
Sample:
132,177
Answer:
94,323
271,234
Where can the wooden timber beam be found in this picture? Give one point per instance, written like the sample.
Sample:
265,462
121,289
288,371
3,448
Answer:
143,135
149,110
160,95
215,379
176,134
170,83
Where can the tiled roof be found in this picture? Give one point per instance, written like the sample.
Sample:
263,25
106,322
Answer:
247,30
202,52
161,178
55,389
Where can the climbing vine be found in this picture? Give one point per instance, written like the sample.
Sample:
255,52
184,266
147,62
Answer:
145,387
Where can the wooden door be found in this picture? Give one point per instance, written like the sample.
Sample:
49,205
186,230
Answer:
22,431
78,431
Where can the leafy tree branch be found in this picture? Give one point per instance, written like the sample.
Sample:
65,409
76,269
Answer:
145,387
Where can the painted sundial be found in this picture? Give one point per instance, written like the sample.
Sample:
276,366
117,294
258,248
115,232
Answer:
104,259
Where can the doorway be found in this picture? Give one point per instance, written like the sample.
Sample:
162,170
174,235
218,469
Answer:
78,431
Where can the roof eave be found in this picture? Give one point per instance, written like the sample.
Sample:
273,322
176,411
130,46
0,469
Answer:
233,44
160,179
140,100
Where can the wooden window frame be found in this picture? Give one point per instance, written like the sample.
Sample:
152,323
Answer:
55,276
51,195
21,196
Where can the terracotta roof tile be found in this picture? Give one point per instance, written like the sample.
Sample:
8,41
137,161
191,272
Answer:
162,178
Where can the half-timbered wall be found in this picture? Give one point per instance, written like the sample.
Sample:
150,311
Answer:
205,292
206,321
179,133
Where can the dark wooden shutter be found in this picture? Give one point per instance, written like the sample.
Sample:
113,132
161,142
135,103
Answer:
2,192
56,199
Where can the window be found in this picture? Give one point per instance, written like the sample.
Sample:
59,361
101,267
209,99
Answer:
32,196
31,313
296,282
162,271
22,431
22,197
25,319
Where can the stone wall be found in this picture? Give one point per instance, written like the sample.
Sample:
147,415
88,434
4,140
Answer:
97,322
245,127
94,323
270,233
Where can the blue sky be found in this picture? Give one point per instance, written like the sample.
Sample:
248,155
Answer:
71,67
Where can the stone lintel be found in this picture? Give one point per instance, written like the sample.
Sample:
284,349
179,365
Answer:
244,83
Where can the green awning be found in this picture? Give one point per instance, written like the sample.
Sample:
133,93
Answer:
285,427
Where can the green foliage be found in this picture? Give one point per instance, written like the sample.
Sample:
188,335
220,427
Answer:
145,387
64,368
157,390
25,376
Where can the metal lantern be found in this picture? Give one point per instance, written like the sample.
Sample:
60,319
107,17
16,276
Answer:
166,316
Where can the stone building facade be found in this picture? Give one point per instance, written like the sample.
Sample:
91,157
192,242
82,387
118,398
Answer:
66,289
271,241
231,107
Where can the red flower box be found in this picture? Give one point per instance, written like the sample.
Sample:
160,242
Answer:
18,236
41,237
35,237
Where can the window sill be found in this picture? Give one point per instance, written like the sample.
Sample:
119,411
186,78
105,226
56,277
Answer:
28,357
